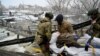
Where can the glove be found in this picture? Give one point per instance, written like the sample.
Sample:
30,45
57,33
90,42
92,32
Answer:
86,46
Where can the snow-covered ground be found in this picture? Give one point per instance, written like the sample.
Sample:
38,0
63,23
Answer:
4,37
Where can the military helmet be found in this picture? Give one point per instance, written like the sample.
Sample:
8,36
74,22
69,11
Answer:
49,15
93,12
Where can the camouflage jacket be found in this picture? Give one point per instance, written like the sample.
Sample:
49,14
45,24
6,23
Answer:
43,30
66,27
67,40
66,35
96,27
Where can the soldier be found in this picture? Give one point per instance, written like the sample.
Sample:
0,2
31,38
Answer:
64,36
43,33
95,25
65,28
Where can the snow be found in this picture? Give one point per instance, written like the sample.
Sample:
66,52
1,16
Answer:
14,48
4,37
22,17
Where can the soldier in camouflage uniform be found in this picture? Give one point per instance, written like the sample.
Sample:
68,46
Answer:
64,36
95,25
66,32
43,33
95,18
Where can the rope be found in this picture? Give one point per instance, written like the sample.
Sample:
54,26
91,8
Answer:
60,53
93,50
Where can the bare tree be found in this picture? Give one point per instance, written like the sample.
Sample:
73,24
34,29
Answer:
58,6
83,6
89,4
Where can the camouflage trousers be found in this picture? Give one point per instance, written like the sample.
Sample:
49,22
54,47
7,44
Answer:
45,49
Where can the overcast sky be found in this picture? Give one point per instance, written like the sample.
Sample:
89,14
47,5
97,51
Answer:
8,3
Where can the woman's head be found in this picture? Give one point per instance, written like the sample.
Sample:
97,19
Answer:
59,19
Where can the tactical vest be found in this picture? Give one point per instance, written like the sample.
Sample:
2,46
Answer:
68,41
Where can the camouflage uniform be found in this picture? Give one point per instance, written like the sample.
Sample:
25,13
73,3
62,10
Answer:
66,27
96,28
95,16
66,36
43,34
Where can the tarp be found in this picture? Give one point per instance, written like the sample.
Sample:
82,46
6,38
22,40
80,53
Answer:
72,50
